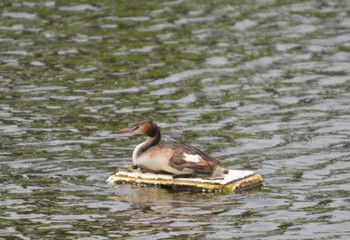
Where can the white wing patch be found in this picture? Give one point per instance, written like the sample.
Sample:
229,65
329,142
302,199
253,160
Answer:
192,158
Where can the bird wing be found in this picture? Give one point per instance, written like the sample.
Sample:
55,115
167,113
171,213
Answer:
190,159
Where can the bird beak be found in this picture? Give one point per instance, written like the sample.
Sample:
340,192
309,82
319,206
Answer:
125,131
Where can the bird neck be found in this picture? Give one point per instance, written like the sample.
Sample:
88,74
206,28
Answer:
152,140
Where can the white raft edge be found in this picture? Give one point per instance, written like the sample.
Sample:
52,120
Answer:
232,176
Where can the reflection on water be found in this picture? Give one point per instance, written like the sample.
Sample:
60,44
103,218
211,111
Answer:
263,85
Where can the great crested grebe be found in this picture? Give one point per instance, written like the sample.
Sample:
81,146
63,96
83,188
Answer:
173,158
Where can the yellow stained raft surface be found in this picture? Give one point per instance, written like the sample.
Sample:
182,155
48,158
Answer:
234,181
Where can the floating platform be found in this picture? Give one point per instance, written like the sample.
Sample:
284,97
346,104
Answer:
234,181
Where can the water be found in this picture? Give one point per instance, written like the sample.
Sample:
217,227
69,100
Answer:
263,85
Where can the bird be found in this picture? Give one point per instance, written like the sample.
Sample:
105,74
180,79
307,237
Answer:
177,159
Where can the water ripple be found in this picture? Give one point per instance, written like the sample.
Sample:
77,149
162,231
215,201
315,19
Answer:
263,85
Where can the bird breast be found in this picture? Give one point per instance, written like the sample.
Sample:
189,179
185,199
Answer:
156,160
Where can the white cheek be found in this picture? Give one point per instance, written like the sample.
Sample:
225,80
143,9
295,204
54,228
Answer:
192,158
138,131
